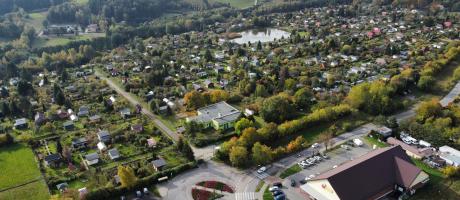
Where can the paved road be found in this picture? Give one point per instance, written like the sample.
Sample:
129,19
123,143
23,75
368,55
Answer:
134,101
451,96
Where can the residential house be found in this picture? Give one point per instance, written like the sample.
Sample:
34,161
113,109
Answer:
101,146
52,160
220,116
39,118
158,164
208,83
62,187
79,143
21,123
137,128
113,154
104,136
68,125
83,111
92,159
125,113
95,119
151,142
383,172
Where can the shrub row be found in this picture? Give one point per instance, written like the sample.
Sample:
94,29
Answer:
202,142
317,117
115,192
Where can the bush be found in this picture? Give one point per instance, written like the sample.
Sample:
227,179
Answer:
317,117
115,192
6,139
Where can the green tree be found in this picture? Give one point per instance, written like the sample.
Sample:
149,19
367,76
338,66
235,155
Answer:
194,100
238,156
276,109
261,91
425,83
242,124
208,55
303,98
428,109
261,154
127,177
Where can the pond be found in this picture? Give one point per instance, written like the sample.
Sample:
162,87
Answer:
262,35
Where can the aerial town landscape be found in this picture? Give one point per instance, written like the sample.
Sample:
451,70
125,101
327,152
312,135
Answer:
229,99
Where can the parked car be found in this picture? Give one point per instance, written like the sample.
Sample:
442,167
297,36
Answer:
272,189
292,183
315,145
261,170
325,156
138,193
280,197
278,184
277,192
146,191
346,147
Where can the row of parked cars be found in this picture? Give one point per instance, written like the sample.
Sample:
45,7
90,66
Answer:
276,191
312,161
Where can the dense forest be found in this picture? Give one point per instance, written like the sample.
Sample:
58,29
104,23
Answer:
7,6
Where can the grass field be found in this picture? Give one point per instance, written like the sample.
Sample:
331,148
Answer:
17,166
36,20
373,141
33,191
47,42
290,171
238,3
80,2
267,195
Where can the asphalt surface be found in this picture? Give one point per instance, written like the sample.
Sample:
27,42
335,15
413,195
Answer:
451,96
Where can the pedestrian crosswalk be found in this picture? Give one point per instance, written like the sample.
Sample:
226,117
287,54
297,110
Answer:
261,176
245,196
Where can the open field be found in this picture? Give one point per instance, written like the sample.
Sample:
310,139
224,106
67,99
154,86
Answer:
238,3
16,171
47,42
36,20
33,191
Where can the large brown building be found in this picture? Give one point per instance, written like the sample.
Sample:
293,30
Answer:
380,173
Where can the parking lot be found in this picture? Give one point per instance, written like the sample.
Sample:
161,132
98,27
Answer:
336,157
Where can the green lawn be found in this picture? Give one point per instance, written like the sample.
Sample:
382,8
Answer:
17,166
56,41
36,20
260,185
238,3
80,2
373,141
33,191
290,171
268,195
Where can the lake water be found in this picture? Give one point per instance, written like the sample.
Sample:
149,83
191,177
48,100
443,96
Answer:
262,35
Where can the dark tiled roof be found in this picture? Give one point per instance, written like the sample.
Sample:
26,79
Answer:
372,173
159,163
52,157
